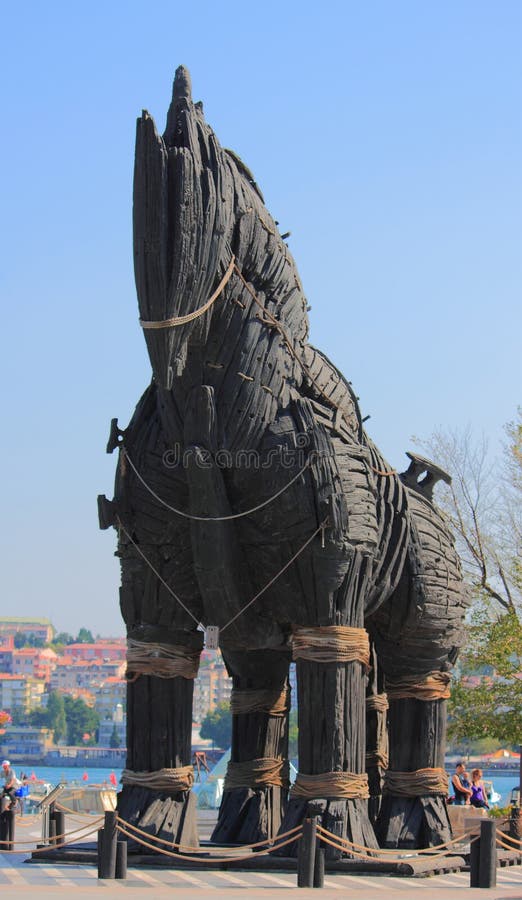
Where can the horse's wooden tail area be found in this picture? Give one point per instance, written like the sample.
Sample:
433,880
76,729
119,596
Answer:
418,632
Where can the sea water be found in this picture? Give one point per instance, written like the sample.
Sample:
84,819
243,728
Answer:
70,775
503,784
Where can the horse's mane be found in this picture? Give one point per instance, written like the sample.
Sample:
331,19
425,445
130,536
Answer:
198,214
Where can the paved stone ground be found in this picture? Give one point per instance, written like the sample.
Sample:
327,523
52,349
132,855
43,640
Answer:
43,880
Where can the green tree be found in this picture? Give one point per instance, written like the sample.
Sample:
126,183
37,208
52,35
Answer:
484,509
39,717
62,639
217,726
51,716
56,715
81,719
114,740
84,636
21,639
486,701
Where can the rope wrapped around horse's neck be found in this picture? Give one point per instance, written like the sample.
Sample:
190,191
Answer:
174,321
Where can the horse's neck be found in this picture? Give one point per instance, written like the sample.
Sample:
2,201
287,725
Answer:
257,329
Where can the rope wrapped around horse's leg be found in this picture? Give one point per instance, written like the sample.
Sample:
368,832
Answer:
417,633
157,781
257,779
332,662
376,736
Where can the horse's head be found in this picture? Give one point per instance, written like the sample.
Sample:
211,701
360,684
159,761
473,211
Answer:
181,232
196,210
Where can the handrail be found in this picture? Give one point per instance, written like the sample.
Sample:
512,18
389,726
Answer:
51,796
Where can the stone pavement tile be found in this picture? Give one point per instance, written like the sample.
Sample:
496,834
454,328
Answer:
45,880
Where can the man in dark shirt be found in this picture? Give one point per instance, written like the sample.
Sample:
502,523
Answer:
462,793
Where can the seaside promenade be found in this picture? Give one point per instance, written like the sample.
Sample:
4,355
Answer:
19,878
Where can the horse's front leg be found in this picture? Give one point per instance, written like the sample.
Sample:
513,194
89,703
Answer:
332,660
257,779
164,643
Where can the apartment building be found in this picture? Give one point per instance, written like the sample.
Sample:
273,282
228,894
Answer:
108,695
36,627
26,743
102,650
35,662
6,653
71,674
19,693
211,687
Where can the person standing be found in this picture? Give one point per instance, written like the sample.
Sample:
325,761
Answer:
478,791
462,793
10,781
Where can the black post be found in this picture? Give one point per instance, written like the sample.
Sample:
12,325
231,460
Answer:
11,824
3,827
474,859
59,824
100,845
488,854
515,823
306,854
520,777
52,830
121,859
108,849
319,866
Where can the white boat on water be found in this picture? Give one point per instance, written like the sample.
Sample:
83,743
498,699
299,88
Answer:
74,798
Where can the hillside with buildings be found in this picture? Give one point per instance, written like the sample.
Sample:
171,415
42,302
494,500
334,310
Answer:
80,687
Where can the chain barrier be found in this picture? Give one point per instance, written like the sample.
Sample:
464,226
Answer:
507,846
362,852
288,837
55,845
204,860
173,844
71,812
22,823
507,837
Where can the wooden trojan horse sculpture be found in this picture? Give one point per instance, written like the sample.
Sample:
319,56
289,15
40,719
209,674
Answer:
249,499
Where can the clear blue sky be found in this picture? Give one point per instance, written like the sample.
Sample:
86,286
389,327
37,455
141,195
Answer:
386,137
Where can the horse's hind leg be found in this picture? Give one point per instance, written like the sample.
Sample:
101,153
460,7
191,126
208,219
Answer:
256,784
376,736
418,632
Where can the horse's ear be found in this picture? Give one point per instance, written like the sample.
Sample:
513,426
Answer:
182,87
181,95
